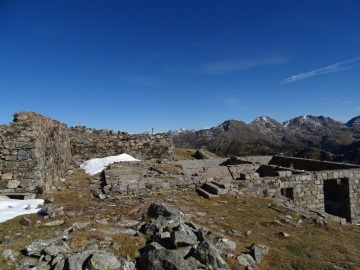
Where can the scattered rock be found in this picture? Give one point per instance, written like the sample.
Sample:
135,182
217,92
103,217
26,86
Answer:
234,232
129,223
224,243
49,199
6,240
103,221
183,236
246,260
53,223
8,254
25,221
129,231
284,234
77,226
201,214
126,264
70,214
54,210
257,252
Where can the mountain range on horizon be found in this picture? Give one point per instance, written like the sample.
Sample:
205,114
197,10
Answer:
307,136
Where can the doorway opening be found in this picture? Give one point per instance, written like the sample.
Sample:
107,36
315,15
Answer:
288,193
337,198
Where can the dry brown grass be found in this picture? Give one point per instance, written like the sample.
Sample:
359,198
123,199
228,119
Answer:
184,153
309,246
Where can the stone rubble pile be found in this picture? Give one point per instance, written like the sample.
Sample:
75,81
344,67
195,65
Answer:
176,243
56,254
173,243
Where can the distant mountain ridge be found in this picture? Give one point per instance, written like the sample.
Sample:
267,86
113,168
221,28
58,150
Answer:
267,136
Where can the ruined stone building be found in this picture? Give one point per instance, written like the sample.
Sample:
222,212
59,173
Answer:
36,151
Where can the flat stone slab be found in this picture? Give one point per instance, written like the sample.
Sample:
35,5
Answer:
206,194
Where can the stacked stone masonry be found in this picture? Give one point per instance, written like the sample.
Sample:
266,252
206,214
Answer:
308,188
35,150
89,143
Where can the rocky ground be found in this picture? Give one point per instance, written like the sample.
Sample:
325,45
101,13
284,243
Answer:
180,231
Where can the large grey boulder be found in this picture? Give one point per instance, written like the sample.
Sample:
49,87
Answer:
159,209
36,247
246,260
208,255
153,228
103,260
159,226
225,243
54,250
162,259
151,246
257,252
77,261
126,265
183,236
202,233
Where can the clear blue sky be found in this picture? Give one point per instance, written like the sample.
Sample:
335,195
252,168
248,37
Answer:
136,65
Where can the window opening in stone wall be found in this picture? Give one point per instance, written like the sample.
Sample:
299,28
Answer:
288,193
337,198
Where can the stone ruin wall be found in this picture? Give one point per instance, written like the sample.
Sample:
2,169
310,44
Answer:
307,186
35,150
184,175
89,143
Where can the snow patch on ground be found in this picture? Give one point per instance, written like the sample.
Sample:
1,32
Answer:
96,165
10,208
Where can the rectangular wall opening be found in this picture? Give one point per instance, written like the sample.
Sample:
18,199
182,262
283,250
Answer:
337,198
288,193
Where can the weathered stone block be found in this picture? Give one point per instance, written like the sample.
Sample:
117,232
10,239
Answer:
13,184
22,155
6,176
10,157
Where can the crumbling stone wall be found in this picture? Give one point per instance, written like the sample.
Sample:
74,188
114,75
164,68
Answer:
89,143
308,188
34,152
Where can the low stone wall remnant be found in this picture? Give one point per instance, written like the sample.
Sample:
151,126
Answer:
89,143
35,150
